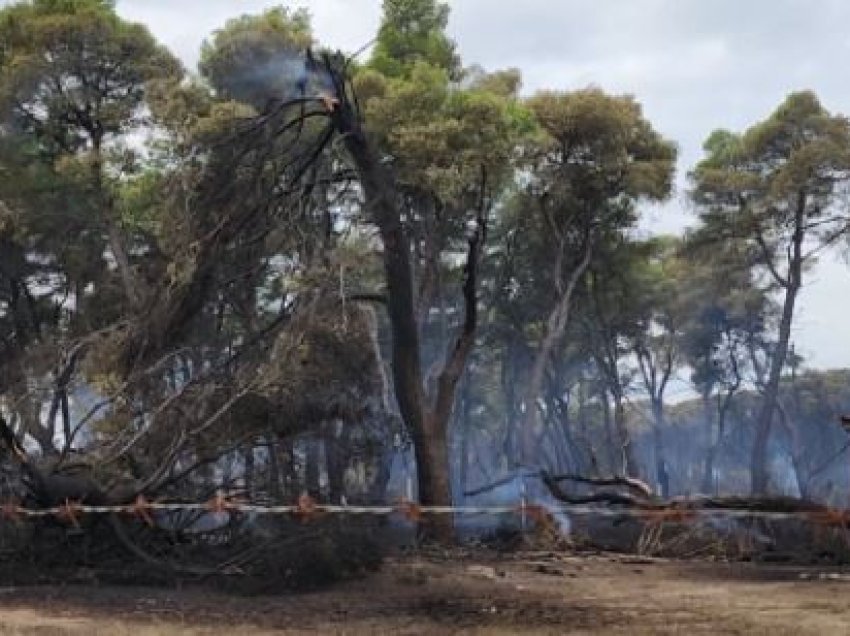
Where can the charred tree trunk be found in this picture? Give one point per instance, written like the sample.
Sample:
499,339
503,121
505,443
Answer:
428,423
382,202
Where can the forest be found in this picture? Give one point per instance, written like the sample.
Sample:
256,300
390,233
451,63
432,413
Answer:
299,276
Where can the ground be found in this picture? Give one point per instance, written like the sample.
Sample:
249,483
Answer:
530,593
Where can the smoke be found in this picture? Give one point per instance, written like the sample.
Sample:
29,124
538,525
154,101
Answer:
284,76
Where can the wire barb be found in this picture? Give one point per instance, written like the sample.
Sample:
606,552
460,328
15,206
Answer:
142,508
70,512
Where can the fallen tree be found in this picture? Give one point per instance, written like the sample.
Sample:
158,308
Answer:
637,496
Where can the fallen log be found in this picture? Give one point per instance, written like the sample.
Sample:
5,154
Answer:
640,488
640,498
611,498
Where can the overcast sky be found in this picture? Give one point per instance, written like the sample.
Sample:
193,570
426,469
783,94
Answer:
695,65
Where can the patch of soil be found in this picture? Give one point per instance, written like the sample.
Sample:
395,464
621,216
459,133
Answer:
469,593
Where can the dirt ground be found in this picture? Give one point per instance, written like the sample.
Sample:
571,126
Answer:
535,593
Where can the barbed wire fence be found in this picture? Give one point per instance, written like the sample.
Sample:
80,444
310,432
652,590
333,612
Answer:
260,546
307,508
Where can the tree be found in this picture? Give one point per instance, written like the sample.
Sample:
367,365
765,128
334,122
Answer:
727,315
597,157
656,342
73,75
411,32
778,186
614,308
240,331
72,86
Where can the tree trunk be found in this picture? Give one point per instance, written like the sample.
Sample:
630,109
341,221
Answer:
797,450
759,465
428,432
248,461
30,417
627,464
662,475
462,426
335,463
428,423
556,324
274,470
708,481
510,445
377,492
312,469
610,436
129,281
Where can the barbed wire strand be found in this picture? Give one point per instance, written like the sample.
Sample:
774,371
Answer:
71,511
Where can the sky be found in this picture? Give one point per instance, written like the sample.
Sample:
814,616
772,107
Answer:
695,65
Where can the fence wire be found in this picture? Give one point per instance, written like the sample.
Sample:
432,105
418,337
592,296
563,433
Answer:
306,508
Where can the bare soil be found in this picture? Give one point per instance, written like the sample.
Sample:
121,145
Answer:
459,593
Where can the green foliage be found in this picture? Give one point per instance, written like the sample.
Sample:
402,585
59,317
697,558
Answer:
505,83
604,144
591,160
726,309
755,178
179,106
73,71
141,201
413,32
438,136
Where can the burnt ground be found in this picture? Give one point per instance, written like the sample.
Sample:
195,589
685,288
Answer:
478,593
